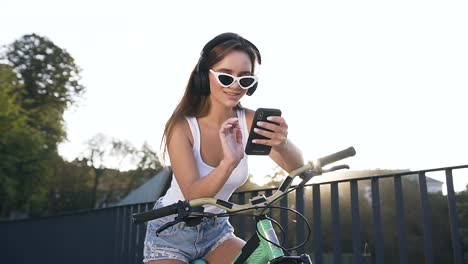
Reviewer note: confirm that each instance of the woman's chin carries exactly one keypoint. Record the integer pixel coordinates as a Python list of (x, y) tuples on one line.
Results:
[(232, 103)]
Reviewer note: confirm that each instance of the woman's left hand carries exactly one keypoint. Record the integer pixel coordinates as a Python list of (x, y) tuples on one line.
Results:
[(231, 141), (278, 134)]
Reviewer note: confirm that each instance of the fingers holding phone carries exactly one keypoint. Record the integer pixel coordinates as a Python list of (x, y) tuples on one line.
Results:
[(268, 130), (275, 131)]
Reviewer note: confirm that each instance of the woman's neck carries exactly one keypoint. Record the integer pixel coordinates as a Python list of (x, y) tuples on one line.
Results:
[(218, 114)]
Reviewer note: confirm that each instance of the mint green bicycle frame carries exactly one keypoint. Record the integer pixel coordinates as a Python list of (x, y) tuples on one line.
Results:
[(265, 251)]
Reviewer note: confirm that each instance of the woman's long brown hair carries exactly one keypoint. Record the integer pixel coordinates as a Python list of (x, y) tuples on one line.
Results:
[(198, 105)]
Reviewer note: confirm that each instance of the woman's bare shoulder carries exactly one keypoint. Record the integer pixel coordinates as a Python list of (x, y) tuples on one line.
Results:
[(181, 131)]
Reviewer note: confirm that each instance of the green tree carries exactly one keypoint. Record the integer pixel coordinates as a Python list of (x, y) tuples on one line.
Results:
[(12, 122), (20, 146), (32, 118), (51, 81)]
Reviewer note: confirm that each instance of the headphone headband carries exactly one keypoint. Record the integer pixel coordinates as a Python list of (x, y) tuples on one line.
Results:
[(218, 40), (225, 37)]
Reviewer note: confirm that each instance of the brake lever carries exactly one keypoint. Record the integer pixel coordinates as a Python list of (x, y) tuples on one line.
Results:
[(306, 176), (334, 168), (192, 216), (309, 174), (167, 225)]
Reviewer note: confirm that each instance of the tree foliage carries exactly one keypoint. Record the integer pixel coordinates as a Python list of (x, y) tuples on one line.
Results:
[(51, 82), (21, 147), (38, 82)]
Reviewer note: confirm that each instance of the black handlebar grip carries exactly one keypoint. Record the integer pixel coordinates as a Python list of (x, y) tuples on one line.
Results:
[(349, 152), (139, 218)]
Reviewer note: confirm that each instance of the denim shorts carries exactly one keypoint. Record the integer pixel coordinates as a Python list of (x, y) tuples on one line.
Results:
[(182, 242)]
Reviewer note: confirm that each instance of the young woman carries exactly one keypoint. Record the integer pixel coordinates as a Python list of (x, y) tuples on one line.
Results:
[(205, 138)]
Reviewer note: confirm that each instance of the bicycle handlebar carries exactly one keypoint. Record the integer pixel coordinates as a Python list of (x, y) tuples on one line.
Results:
[(312, 169), (349, 152), (155, 214)]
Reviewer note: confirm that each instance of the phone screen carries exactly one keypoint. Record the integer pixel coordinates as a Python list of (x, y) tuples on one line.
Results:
[(260, 115)]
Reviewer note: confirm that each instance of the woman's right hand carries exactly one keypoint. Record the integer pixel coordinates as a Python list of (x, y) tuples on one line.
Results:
[(231, 141)]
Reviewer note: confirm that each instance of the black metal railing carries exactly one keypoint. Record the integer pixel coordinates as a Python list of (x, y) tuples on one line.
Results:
[(312, 197), (353, 221)]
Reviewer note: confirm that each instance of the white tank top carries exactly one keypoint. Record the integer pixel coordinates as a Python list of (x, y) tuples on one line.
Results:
[(237, 178)]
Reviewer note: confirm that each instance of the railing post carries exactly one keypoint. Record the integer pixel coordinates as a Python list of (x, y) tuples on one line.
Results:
[(427, 225), (379, 248), (268, 193), (118, 235), (300, 230), (241, 219), (126, 232), (454, 227), (132, 235), (401, 221), (284, 220), (336, 227), (251, 223), (140, 237), (356, 222), (318, 249)]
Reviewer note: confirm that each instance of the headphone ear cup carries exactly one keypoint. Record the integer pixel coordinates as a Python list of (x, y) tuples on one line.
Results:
[(252, 89), (195, 84), (200, 84), (204, 83)]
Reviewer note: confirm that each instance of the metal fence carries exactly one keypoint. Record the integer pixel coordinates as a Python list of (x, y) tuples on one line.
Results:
[(108, 235)]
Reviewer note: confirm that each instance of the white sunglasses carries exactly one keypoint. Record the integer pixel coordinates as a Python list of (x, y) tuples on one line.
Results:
[(226, 80)]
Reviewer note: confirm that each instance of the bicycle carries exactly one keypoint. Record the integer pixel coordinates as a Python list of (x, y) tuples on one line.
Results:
[(263, 246)]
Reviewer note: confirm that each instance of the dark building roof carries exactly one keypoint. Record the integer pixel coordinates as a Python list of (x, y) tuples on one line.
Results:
[(151, 190)]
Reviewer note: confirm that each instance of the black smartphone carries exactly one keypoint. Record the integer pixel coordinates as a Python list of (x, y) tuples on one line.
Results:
[(260, 115)]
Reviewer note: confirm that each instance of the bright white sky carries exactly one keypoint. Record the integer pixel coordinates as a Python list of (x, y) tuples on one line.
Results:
[(387, 77)]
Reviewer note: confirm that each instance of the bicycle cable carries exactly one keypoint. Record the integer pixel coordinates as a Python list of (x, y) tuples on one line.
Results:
[(234, 213), (294, 211), (292, 248)]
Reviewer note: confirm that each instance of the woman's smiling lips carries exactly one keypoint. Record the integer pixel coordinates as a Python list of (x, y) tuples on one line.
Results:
[(233, 95)]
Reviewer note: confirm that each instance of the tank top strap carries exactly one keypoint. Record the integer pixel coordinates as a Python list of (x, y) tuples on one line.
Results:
[(193, 123), (243, 124)]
